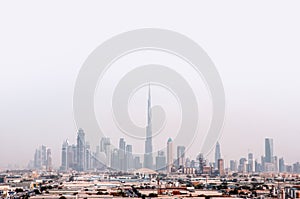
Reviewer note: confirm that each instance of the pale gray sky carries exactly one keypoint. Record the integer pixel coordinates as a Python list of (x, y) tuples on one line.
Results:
[(254, 45)]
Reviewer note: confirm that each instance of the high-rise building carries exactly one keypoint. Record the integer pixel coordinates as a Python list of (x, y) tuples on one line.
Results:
[(88, 157), (233, 165), (37, 159), (122, 155), (275, 162), (180, 156), (42, 158), (72, 156), (221, 167), (160, 161), (187, 162), (281, 165), (169, 155), (49, 160), (148, 159), (250, 166), (115, 159), (105, 147), (64, 156), (81, 150), (217, 154), (296, 167), (263, 161), (243, 165), (269, 150), (129, 157), (137, 162), (202, 163)]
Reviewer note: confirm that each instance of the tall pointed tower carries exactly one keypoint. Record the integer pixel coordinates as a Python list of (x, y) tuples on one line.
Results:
[(148, 159)]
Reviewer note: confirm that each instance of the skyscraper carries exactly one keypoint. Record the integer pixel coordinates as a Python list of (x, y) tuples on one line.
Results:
[(88, 156), (169, 155), (250, 166), (105, 147), (49, 160), (243, 165), (202, 163), (148, 159), (44, 155), (221, 167), (122, 157), (281, 165), (129, 157), (42, 158), (233, 165), (269, 150), (217, 154), (80, 150), (64, 156), (115, 159), (160, 161), (180, 156)]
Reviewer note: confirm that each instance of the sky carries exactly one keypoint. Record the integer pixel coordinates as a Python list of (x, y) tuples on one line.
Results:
[(254, 45)]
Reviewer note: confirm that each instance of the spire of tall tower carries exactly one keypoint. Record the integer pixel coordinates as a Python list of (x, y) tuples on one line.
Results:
[(149, 106), (148, 159)]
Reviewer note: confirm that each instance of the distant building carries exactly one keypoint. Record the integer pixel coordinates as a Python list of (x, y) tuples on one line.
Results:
[(233, 165), (72, 157), (296, 168), (189, 170), (269, 167), (122, 156), (115, 159), (42, 158), (64, 156), (269, 150), (221, 167), (251, 165), (88, 157), (275, 162), (129, 157), (105, 147), (180, 156), (202, 163), (137, 162), (187, 162), (217, 154), (160, 161), (148, 159), (49, 160), (169, 155), (281, 165), (289, 168), (81, 153), (243, 165)]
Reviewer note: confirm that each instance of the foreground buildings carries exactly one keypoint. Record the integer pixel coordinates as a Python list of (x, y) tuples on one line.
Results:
[(145, 183)]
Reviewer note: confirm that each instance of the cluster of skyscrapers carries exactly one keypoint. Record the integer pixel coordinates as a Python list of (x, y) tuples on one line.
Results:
[(268, 163), (80, 157), (42, 159)]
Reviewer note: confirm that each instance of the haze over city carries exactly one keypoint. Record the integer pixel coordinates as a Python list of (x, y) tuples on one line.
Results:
[(256, 55)]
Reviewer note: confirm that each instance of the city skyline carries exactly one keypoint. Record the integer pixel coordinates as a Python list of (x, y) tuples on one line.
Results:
[(79, 157), (256, 57), (122, 159)]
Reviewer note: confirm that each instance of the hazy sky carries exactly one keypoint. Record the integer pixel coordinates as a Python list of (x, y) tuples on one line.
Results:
[(254, 45)]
